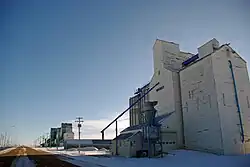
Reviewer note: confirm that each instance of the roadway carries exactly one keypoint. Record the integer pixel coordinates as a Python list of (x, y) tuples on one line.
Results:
[(28, 157)]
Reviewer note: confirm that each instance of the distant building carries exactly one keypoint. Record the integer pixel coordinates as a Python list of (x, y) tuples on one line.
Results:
[(58, 135), (65, 128), (53, 135), (68, 136)]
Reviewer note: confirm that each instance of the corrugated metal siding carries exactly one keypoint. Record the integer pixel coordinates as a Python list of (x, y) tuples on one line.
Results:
[(135, 111)]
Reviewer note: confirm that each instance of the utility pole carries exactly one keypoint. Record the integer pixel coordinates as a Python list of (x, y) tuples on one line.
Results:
[(57, 138), (47, 139), (116, 140), (5, 139), (79, 120), (40, 141), (50, 139)]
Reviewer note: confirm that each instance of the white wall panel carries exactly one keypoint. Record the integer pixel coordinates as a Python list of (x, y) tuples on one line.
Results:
[(165, 96), (208, 48), (200, 110), (178, 108), (168, 95), (243, 89), (169, 141), (185, 55), (230, 121), (157, 55)]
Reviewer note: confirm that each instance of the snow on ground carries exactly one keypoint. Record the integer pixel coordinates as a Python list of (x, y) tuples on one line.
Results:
[(49, 149), (6, 150), (82, 153), (79, 162), (73, 152), (178, 158)]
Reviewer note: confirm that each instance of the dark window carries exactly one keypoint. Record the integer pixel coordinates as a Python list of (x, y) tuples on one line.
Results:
[(189, 94), (198, 103), (160, 88), (248, 105), (192, 94), (173, 142), (209, 98), (223, 98)]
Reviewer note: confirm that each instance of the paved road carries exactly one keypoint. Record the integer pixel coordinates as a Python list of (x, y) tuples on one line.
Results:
[(28, 157)]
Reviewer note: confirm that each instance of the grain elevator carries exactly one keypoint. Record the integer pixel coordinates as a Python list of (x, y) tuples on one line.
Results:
[(202, 100)]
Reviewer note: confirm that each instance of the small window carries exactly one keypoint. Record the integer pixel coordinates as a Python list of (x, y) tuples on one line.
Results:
[(159, 72), (173, 142), (248, 105), (163, 142), (160, 88), (223, 98), (209, 99), (192, 94), (166, 142)]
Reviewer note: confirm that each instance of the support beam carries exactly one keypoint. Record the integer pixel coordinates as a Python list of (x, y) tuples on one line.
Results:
[(116, 141), (102, 135)]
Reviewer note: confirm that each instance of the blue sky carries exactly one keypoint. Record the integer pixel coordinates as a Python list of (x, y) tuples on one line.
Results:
[(62, 59)]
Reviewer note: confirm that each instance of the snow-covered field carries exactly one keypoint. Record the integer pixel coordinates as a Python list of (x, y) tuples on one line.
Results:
[(178, 158), (73, 152), (2, 151)]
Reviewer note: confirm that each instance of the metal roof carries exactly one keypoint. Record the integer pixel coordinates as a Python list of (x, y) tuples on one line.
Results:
[(101, 141), (161, 118), (124, 136), (135, 127), (158, 121), (87, 141)]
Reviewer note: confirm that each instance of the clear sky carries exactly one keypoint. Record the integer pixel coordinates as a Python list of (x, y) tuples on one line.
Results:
[(61, 59)]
